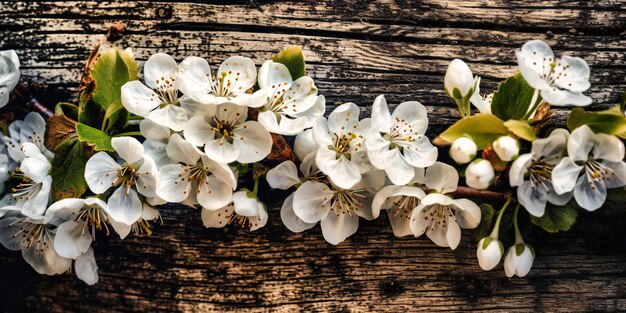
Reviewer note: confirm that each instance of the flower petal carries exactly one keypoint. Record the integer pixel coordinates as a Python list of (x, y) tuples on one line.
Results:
[(558, 97), (171, 116), (534, 63), (519, 168), (274, 75), (138, 99), (453, 235), (572, 73), (154, 131), (467, 214), (618, 178), (290, 219), (283, 176), (342, 172), (217, 218), (194, 78), (608, 148), (311, 202), (147, 178), (589, 195), (338, 227), (343, 119), (442, 177), (381, 118), (304, 144), (179, 150), (221, 150), (128, 148), (125, 206), (534, 199), (171, 187), (240, 72), (71, 241), (246, 203), (159, 68), (253, 141), (86, 268), (198, 131), (564, 175), (214, 193)]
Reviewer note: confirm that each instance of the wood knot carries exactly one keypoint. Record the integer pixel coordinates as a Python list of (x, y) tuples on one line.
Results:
[(115, 32), (165, 12)]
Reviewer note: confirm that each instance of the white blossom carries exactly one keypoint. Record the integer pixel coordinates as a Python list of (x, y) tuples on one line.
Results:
[(397, 142), (479, 174), (463, 150), (136, 175), (32, 130), (519, 260), (234, 77), (193, 178), (227, 136), (157, 138), (34, 239), (290, 106), (9, 74), (341, 150), (532, 173), (32, 194), (399, 202), (489, 253), (462, 86), (507, 148), (159, 100), (560, 81), (86, 268), (599, 157), (440, 216), (245, 210)]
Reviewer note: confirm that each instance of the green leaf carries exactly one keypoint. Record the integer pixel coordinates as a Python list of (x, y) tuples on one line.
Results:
[(110, 74), (293, 59), (68, 170), (521, 129), (557, 218), (92, 114), (68, 109), (616, 194), (483, 129), (100, 140), (512, 99), (486, 217), (611, 121)]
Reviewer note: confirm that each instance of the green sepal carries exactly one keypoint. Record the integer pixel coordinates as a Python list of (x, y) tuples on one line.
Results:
[(482, 128), (521, 129)]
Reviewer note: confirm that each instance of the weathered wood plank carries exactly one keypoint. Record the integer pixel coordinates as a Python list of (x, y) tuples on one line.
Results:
[(355, 50)]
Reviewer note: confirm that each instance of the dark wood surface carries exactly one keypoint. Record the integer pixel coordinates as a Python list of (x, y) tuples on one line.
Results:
[(355, 50)]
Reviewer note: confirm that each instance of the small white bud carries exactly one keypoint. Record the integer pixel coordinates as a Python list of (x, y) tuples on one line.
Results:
[(507, 148), (463, 150), (479, 174), (519, 260), (489, 253), (458, 76)]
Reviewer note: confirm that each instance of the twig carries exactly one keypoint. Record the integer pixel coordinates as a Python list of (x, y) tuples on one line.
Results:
[(23, 90), (462, 191)]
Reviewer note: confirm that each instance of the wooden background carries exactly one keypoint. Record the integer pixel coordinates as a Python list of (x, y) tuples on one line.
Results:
[(355, 51)]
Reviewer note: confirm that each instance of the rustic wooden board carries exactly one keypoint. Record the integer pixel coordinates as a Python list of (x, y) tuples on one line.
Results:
[(355, 51)]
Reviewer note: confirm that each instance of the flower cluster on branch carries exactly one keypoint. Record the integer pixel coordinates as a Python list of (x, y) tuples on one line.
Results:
[(203, 136)]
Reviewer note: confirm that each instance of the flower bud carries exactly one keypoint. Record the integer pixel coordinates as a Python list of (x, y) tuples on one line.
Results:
[(463, 150), (507, 148), (479, 174), (489, 253), (459, 77), (519, 260)]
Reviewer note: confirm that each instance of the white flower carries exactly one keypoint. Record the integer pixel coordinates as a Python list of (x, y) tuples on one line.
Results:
[(532, 173), (489, 253), (78, 221), (336, 208), (341, 154), (157, 137), (35, 239), (143, 225), (559, 81), (304, 144), (245, 210), (9, 74), (289, 106), (600, 158), (463, 150), (228, 137), (86, 268), (399, 201), (32, 194), (463, 87), (194, 178), (507, 148), (397, 142), (229, 84), (479, 174), (32, 129), (519, 260), (284, 176), (136, 175), (159, 101), (440, 216)]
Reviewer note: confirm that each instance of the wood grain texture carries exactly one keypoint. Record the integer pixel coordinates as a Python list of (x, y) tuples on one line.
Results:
[(355, 50)]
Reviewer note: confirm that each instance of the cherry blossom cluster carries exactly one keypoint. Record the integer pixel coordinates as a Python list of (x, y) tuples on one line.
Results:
[(204, 134)]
